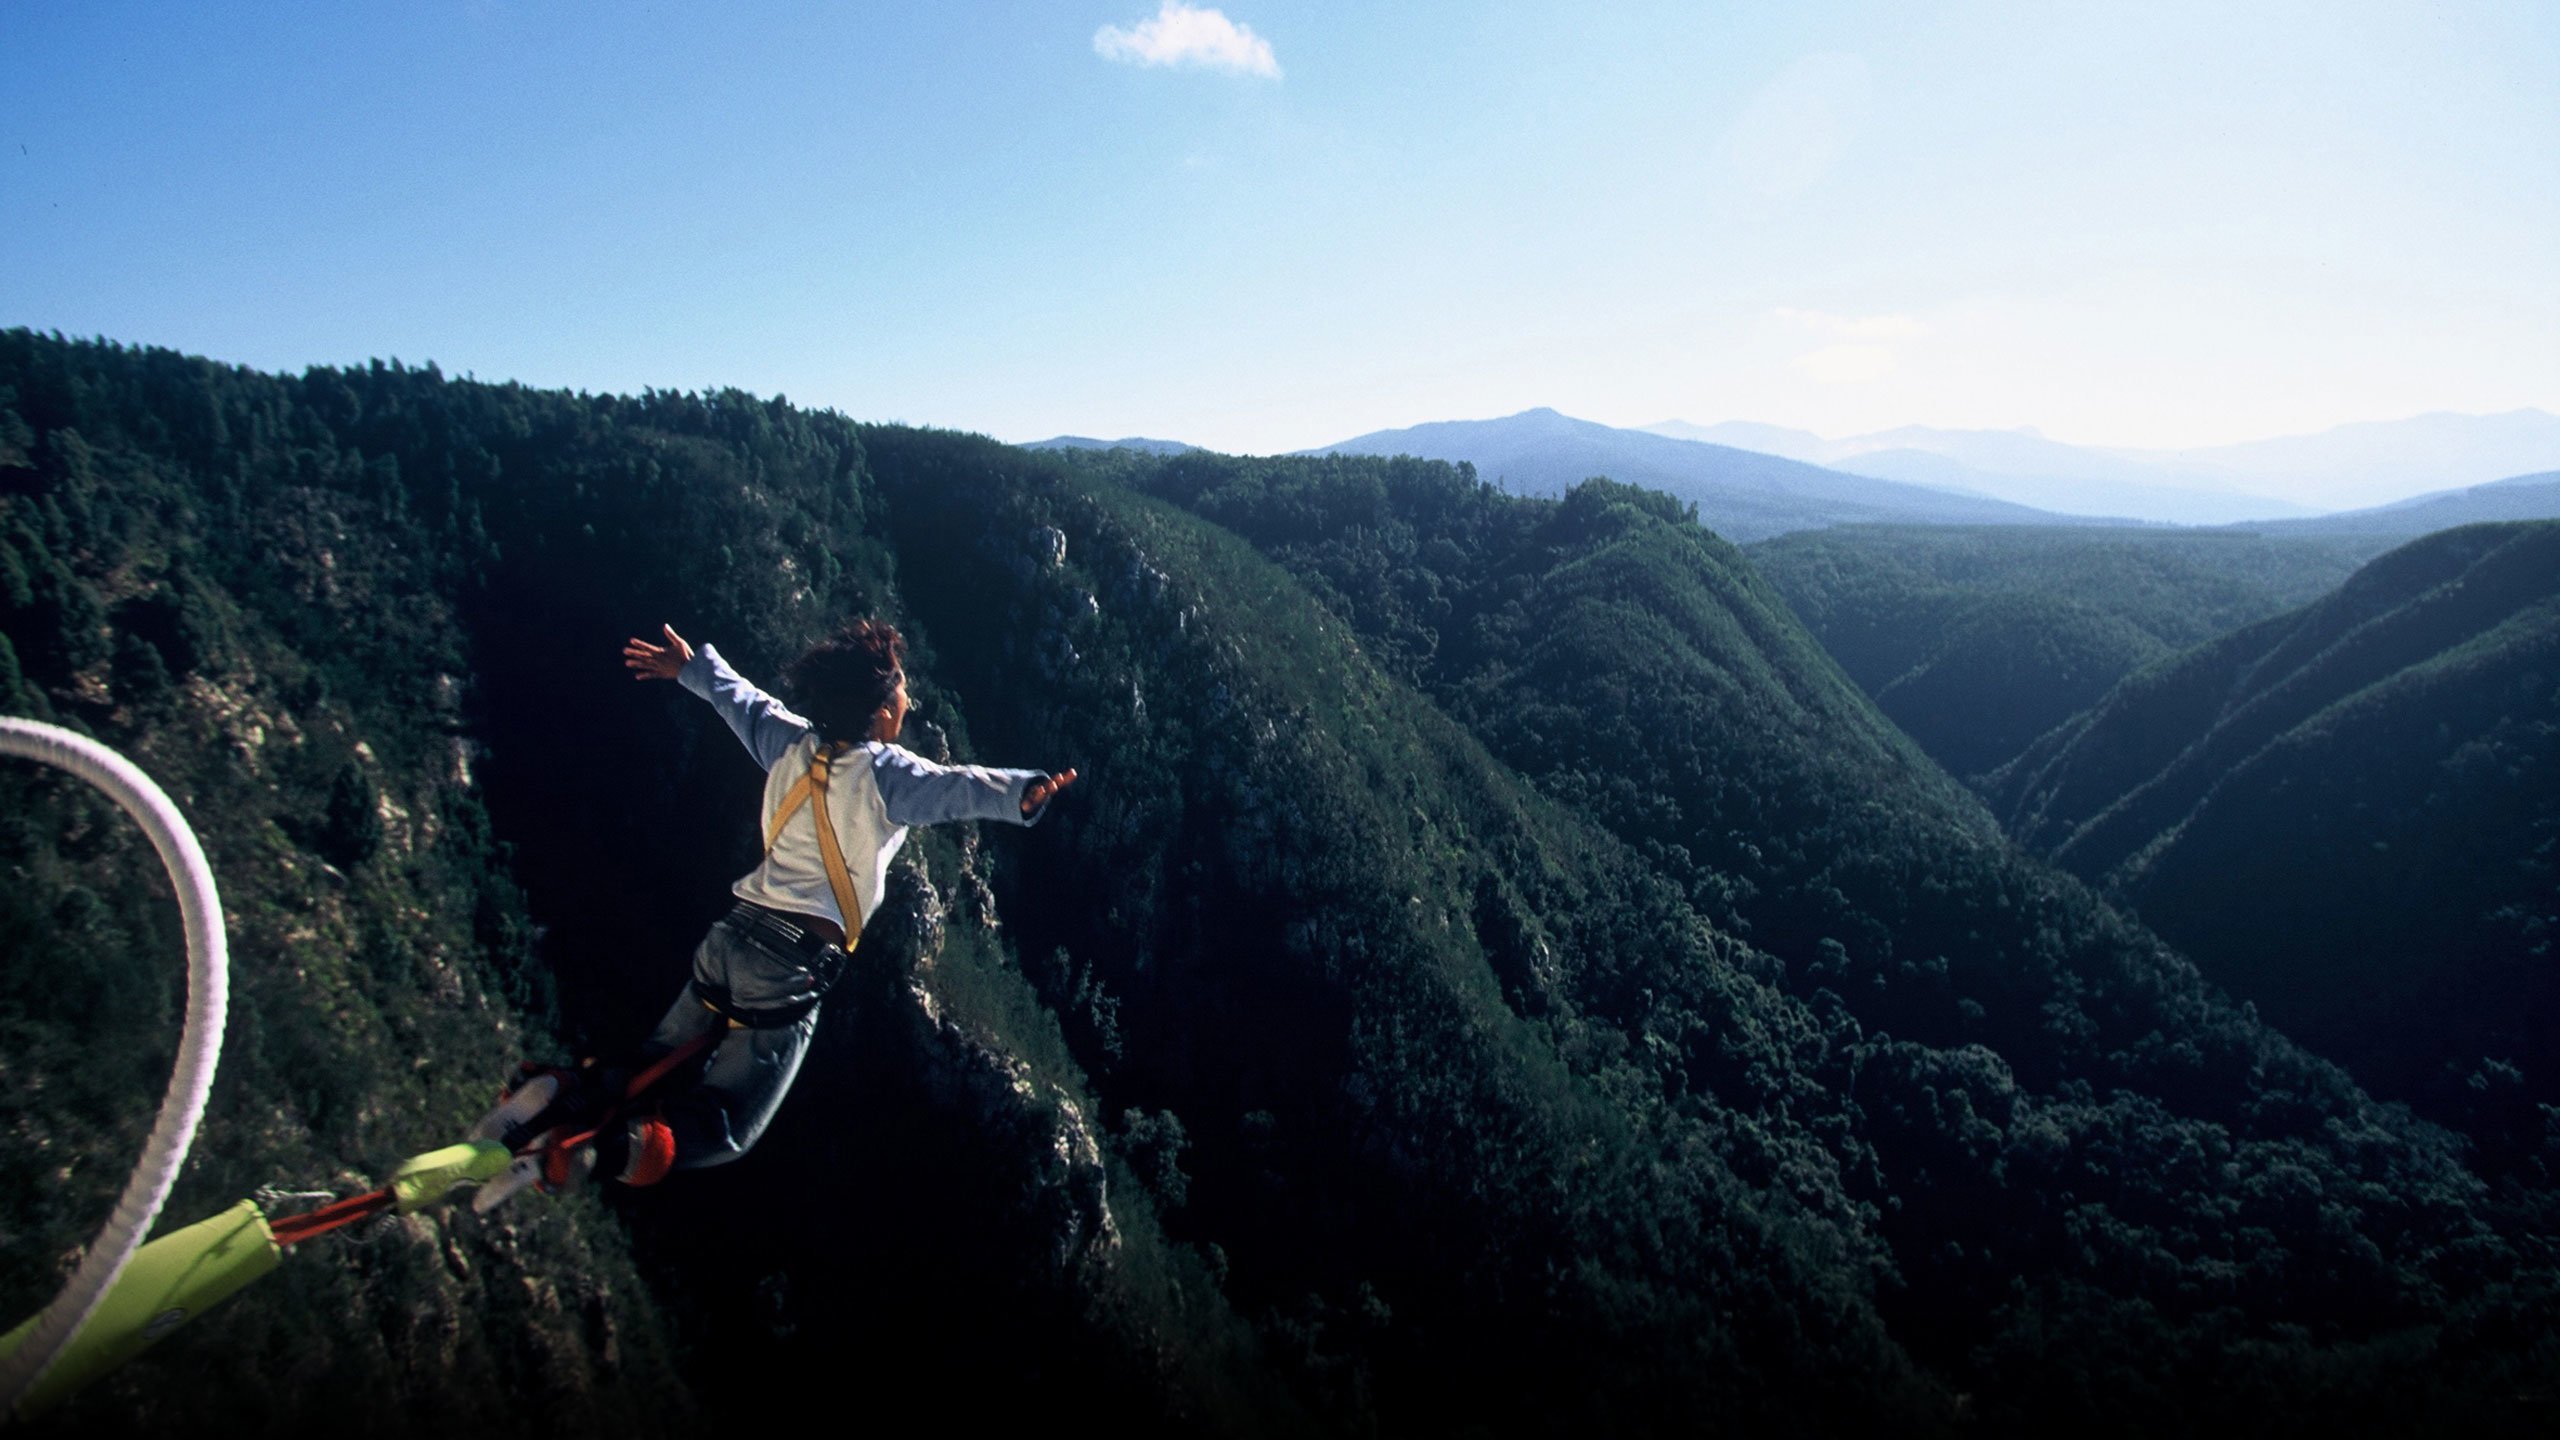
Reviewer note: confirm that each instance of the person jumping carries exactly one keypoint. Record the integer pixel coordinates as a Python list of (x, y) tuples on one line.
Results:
[(839, 797)]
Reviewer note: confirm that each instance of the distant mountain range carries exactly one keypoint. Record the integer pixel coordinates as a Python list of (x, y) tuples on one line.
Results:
[(1752, 481), (2015, 465), (1127, 442), (2369, 464), (1741, 494), (2526, 497)]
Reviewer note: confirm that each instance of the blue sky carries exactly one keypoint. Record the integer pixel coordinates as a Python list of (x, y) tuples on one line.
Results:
[(1271, 224)]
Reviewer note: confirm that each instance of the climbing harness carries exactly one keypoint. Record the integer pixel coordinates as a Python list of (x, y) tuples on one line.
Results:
[(556, 1154), (825, 958), (812, 792), (821, 958)]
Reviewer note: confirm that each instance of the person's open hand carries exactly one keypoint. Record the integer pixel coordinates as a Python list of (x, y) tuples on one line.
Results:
[(657, 662), (1041, 791)]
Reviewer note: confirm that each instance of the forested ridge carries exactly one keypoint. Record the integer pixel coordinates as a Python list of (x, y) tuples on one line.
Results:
[(2351, 814), (1498, 973), (1977, 641), (2343, 809), (1619, 657)]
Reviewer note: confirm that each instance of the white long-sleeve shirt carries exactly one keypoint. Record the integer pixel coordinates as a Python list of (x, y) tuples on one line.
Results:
[(871, 806)]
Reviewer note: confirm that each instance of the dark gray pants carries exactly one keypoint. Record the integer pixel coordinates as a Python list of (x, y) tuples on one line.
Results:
[(718, 1118)]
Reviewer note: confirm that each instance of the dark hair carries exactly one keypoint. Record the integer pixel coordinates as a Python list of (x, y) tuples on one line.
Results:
[(846, 677)]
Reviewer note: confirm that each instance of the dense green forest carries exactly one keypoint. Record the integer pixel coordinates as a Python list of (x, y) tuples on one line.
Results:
[(2350, 814), (1633, 665), (1498, 974), (256, 622), (363, 624), (1976, 641)]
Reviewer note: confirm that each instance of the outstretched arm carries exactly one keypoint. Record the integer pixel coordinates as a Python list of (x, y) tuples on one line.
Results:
[(760, 722), (915, 791)]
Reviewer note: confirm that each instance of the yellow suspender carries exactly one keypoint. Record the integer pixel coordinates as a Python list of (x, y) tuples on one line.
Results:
[(812, 792)]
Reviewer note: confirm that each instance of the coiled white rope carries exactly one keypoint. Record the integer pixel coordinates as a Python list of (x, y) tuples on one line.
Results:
[(199, 1046)]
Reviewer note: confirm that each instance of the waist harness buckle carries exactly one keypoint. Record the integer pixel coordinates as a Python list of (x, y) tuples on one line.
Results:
[(821, 960)]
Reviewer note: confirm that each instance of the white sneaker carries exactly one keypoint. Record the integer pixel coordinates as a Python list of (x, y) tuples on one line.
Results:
[(523, 1172), (518, 1109), (533, 1170)]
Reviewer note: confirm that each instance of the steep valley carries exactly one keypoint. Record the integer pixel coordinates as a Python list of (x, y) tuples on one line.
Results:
[(1498, 973)]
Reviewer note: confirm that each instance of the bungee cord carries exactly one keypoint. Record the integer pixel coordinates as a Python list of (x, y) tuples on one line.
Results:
[(125, 1294), (199, 1045)]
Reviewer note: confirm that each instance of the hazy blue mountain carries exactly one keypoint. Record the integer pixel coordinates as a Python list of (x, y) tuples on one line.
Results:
[(2019, 466), (1138, 443), (2378, 462), (2526, 497), (2094, 494), (1776, 440), (2352, 465), (1740, 494)]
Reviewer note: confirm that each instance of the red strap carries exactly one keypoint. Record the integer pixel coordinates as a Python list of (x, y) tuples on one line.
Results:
[(338, 1214), (294, 1229), (558, 1144), (555, 1159), (658, 1069)]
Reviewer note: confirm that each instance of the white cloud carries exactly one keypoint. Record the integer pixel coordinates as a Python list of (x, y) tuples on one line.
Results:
[(1846, 364), (1855, 327), (1861, 353), (1187, 35)]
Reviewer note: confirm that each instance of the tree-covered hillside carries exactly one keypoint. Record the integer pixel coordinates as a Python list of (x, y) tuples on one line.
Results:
[(2077, 1141), (363, 623), (196, 570), (2350, 814), (1977, 641), (1496, 975)]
